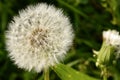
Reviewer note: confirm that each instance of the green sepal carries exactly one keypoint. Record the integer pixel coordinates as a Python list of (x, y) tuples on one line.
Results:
[(105, 54)]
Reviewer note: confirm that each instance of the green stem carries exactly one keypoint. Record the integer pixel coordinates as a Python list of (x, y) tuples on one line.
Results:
[(46, 74), (104, 77), (105, 73)]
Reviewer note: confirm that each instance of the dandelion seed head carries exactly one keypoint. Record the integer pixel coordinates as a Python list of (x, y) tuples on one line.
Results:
[(39, 37)]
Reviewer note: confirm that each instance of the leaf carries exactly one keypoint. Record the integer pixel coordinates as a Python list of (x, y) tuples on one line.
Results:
[(67, 73)]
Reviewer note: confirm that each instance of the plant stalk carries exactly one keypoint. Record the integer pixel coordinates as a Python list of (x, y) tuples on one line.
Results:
[(105, 73), (46, 74)]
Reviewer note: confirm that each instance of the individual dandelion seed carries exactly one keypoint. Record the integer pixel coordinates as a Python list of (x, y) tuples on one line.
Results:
[(39, 37)]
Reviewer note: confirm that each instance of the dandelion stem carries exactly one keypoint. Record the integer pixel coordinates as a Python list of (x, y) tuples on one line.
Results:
[(105, 73), (104, 77), (46, 74)]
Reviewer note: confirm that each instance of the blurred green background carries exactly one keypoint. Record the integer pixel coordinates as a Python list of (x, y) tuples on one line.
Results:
[(88, 17)]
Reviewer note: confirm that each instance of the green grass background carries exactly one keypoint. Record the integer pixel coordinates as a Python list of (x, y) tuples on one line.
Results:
[(88, 17)]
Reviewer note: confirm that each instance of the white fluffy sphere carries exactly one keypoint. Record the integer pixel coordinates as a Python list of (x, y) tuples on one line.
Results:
[(39, 37)]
